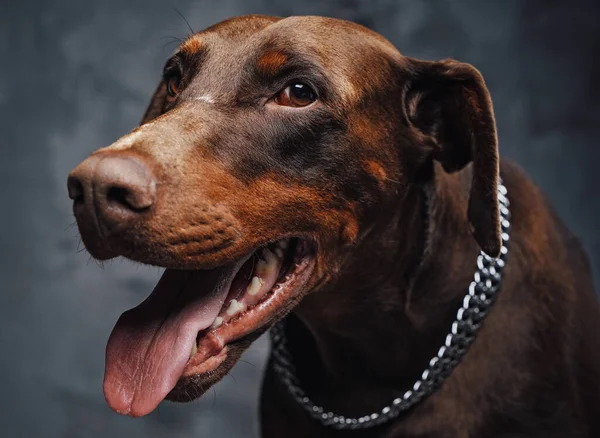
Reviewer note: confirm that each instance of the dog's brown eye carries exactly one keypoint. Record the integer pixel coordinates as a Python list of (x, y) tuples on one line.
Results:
[(296, 95), (173, 85)]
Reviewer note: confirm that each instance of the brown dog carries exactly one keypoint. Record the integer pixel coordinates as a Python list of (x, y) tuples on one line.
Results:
[(304, 164)]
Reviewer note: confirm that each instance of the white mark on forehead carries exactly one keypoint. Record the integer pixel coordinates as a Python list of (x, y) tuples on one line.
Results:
[(206, 98)]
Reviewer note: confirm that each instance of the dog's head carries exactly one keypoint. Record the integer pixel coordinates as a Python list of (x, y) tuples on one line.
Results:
[(268, 148)]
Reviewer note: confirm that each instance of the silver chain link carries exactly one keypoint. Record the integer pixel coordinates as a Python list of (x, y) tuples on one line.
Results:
[(476, 304)]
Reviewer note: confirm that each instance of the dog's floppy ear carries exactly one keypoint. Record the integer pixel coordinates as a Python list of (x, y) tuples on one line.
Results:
[(450, 106), (157, 103)]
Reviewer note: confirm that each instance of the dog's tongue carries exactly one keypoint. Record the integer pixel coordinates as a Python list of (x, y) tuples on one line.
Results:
[(150, 345)]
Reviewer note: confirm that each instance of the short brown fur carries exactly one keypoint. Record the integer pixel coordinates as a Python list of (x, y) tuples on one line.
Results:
[(392, 174), (192, 45)]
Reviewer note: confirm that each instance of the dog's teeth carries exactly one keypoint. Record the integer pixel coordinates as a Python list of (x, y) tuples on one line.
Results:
[(194, 350), (271, 260), (217, 322), (234, 307), (254, 286), (279, 252), (261, 267), (284, 243)]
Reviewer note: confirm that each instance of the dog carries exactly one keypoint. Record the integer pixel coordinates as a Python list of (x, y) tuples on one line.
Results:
[(301, 173)]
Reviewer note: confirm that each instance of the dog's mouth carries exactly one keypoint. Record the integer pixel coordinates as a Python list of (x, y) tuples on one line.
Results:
[(184, 327)]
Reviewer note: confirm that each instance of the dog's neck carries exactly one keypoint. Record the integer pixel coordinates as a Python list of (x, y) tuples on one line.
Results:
[(367, 339)]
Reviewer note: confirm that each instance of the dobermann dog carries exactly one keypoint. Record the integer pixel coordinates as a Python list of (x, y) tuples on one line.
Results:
[(302, 167)]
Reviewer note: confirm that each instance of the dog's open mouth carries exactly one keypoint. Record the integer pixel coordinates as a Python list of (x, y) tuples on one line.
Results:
[(183, 328)]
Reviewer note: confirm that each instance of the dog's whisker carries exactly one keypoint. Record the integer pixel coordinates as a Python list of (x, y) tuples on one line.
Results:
[(230, 375), (98, 263), (392, 180), (71, 225), (165, 45), (172, 38), (236, 231), (249, 363), (192, 31)]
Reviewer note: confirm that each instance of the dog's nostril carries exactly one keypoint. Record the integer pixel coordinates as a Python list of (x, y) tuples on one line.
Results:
[(122, 186), (75, 189), (117, 195), (123, 197), (113, 189)]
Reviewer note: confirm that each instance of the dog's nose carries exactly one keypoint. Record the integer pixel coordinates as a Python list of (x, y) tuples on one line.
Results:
[(114, 189)]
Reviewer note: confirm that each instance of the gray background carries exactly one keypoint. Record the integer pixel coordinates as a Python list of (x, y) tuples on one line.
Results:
[(75, 75)]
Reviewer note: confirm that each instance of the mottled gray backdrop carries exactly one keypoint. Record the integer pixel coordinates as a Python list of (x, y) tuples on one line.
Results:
[(75, 75)]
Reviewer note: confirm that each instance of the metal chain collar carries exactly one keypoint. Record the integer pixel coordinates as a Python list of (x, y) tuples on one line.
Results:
[(476, 304)]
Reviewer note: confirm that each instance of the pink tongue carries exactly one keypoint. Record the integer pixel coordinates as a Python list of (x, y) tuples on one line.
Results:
[(150, 345)]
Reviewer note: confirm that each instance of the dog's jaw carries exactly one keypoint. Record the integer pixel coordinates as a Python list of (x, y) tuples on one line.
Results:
[(193, 319)]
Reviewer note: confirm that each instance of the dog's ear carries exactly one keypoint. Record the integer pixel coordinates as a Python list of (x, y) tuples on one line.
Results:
[(157, 103), (450, 107)]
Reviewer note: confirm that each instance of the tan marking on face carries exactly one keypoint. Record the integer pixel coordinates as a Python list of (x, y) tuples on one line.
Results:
[(376, 170), (369, 130), (192, 45), (271, 62), (349, 91), (349, 232)]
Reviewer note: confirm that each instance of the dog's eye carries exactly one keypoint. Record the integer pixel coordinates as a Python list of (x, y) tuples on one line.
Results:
[(173, 83), (296, 95)]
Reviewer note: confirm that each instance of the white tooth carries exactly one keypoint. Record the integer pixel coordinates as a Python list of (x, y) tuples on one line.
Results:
[(194, 350), (234, 307), (284, 243), (261, 267), (217, 322), (279, 252), (271, 260), (254, 286)]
